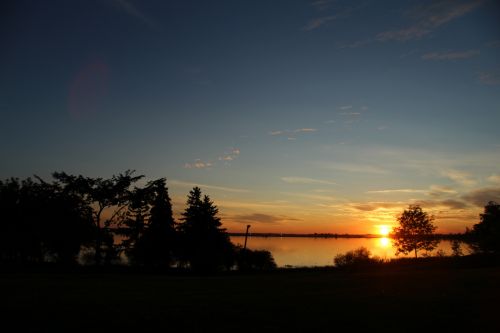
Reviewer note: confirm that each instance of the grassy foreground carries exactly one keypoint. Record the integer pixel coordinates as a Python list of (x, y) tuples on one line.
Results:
[(389, 299)]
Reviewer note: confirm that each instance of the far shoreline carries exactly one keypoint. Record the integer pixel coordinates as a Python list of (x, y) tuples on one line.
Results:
[(329, 235)]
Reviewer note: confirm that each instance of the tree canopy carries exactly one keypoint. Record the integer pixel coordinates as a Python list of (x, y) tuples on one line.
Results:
[(414, 232), (206, 245), (94, 220), (102, 195), (486, 233), (153, 226)]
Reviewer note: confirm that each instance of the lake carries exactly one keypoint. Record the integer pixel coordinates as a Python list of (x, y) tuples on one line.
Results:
[(305, 251)]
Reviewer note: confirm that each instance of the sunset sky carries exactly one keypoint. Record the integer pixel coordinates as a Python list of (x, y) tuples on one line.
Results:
[(294, 116)]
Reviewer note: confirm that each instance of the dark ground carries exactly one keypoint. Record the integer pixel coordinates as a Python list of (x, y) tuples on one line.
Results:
[(383, 299)]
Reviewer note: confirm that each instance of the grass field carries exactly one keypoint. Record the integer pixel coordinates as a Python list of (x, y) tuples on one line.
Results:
[(381, 300)]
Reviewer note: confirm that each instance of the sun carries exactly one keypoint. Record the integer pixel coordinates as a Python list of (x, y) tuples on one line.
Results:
[(384, 230)]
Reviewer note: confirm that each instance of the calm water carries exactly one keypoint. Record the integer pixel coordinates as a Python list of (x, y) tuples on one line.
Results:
[(301, 251)]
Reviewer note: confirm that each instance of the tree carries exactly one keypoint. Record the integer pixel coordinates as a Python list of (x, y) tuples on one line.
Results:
[(133, 225), (19, 237), (103, 195), (206, 245), (485, 235), (414, 232), (41, 221), (65, 222), (157, 241)]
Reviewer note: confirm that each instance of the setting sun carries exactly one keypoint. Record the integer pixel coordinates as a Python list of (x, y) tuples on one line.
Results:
[(384, 230)]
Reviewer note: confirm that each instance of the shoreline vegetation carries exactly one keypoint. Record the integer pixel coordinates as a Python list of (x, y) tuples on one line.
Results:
[(333, 235), (187, 276), (77, 220)]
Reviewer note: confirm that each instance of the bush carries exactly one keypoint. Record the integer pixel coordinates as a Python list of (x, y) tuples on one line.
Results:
[(255, 260), (358, 257)]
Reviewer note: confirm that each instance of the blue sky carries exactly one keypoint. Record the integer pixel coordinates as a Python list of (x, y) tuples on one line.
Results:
[(294, 116)]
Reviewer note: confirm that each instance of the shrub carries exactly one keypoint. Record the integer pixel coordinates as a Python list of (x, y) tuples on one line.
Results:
[(358, 257), (255, 260)]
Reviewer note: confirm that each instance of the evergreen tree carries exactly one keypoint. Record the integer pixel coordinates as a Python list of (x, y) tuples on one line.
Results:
[(157, 245), (206, 245)]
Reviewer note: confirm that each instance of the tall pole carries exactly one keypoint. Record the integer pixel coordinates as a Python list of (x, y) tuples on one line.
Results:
[(246, 236)]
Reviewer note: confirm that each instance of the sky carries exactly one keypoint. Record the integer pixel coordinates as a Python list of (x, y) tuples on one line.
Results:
[(292, 115)]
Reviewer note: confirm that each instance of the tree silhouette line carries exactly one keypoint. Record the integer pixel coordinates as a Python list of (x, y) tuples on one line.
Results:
[(415, 232), (75, 218)]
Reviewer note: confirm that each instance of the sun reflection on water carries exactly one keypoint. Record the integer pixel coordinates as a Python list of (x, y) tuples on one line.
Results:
[(384, 242)]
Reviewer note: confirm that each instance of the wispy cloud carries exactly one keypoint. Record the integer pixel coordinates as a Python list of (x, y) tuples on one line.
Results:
[(336, 9), (494, 178), (482, 196), (318, 22), (459, 177), (350, 114), (291, 133), (180, 183), (396, 206), (448, 203), (198, 164), (355, 168), (495, 43), (230, 156), (346, 107), (439, 190), (459, 55), (433, 191), (128, 7), (227, 157), (302, 130), (308, 196), (402, 190), (230, 204), (371, 206), (490, 77), (354, 45), (322, 4), (304, 180), (430, 17), (261, 218)]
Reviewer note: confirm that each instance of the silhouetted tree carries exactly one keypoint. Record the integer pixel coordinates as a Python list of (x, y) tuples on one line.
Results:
[(110, 195), (19, 238), (42, 222), (254, 259), (66, 222), (133, 225), (414, 232), (157, 242), (485, 235), (206, 246)]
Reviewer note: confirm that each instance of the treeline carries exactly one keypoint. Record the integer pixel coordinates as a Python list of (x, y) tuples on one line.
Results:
[(75, 219)]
